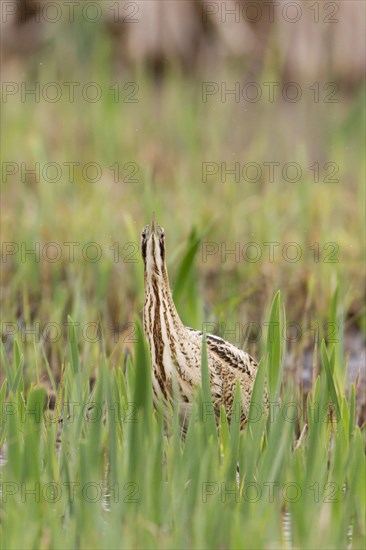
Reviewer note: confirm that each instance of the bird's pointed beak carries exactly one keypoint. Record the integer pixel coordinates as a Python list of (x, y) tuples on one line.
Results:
[(153, 225)]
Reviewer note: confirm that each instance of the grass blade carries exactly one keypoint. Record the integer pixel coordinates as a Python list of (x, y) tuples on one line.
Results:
[(274, 347), (328, 365)]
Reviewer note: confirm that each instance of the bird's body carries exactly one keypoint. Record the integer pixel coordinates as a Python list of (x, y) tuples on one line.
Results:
[(176, 349)]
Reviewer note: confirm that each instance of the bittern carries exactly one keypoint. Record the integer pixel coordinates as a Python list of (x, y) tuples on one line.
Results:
[(176, 349)]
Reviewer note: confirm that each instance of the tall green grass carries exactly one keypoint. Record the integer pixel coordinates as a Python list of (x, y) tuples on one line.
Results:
[(124, 477)]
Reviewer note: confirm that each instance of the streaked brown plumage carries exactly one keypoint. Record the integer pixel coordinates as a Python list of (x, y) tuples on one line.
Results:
[(176, 349)]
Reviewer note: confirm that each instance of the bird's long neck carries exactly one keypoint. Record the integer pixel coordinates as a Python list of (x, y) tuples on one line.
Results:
[(162, 325), (159, 308)]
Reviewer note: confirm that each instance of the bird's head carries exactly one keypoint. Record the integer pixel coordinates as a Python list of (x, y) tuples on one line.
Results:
[(153, 248)]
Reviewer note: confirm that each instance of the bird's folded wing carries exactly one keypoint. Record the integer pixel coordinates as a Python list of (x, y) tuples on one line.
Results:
[(230, 354)]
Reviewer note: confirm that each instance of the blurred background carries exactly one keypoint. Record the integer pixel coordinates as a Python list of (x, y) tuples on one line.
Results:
[(241, 124)]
